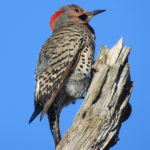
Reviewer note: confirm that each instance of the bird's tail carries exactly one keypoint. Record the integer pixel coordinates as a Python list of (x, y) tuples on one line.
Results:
[(35, 113)]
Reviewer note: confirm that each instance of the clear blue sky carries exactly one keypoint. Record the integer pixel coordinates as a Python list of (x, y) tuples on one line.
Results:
[(23, 30)]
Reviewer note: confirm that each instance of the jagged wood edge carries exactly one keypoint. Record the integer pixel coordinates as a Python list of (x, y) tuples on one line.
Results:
[(106, 105)]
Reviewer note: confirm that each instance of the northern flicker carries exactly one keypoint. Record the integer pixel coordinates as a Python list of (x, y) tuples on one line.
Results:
[(63, 70)]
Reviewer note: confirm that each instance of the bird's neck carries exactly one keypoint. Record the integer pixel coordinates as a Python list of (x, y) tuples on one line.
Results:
[(61, 24)]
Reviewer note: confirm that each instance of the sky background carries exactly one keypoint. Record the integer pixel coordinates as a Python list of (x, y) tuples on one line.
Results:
[(24, 26)]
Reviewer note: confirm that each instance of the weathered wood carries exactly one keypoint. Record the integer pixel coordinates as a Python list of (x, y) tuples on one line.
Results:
[(106, 104)]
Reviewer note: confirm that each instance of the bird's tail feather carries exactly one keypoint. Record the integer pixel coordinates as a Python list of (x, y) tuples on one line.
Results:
[(35, 113)]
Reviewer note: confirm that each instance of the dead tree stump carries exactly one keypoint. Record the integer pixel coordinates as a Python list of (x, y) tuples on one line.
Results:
[(106, 105)]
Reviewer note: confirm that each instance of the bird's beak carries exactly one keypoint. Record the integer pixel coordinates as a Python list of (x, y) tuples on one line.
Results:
[(86, 17), (95, 12)]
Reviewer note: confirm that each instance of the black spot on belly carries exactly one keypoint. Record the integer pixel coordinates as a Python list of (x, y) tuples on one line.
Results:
[(79, 69), (88, 65), (85, 74), (86, 50), (87, 69), (81, 66)]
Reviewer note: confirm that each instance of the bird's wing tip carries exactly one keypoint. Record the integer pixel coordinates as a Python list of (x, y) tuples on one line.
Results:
[(29, 122), (35, 114), (31, 119)]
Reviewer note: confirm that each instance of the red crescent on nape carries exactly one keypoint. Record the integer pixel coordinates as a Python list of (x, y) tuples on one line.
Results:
[(54, 17)]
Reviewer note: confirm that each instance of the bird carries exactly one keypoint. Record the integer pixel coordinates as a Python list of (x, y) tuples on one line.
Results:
[(64, 66)]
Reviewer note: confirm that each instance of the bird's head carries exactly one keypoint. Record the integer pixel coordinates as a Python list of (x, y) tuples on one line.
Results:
[(71, 14)]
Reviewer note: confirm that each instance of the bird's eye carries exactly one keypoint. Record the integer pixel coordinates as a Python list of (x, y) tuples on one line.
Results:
[(77, 10)]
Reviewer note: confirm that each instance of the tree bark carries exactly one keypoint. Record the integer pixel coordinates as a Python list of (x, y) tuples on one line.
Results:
[(106, 105)]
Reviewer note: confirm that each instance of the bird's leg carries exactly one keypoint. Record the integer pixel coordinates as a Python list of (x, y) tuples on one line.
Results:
[(93, 70), (53, 117)]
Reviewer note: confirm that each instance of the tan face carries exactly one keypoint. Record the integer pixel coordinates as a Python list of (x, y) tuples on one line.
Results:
[(78, 15), (76, 11)]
